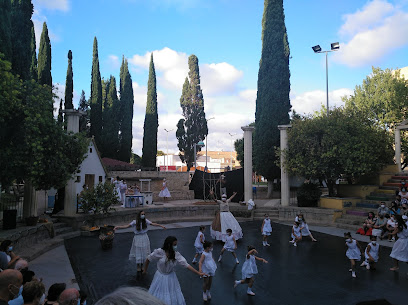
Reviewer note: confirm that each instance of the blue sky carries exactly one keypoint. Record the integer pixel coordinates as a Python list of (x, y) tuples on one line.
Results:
[(225, 35)]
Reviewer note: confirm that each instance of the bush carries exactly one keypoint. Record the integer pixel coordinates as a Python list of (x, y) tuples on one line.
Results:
[(308, 195)]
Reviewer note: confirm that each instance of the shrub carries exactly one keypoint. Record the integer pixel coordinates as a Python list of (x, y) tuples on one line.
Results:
[(308, 195)]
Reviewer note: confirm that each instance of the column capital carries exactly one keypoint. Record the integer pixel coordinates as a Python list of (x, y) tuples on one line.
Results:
[(74, 112), (248, 128), (284, 127)]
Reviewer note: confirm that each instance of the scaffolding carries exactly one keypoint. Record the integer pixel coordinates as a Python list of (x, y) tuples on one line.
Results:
[(211, 182)]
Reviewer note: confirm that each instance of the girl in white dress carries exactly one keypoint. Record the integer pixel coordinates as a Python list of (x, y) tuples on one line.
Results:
[(208, 266), (198, 244), (400, 249), (249, 269), (230, 245), (164, 193), (165, 285), (266, 230), (371, 253), (225, 220), (141, 243), (296, 234), (304, 228), (116, 183), (353, 252)]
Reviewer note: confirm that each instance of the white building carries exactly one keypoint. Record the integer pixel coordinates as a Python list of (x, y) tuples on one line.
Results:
[(173, 162)]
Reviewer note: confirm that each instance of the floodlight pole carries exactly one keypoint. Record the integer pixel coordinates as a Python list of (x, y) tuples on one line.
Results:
[(206, 146), (167, 148)]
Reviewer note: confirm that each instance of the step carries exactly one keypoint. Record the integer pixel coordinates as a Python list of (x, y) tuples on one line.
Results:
[(391, 184), (399, 177), (357, 213), (394, 188), (58, 225), (351, 228), (377, 201), (353, 216), (385, 195), (63, 230), (367, 205), (349, 221), (378, 198), (385, 191)]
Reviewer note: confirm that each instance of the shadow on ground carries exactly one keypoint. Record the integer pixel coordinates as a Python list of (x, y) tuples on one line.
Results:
[(312, 273)]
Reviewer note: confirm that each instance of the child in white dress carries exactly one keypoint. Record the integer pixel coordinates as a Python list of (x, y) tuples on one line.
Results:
[(208, 266), (230, 245), (198, 244), (353, 252), (304, 228), (296, 234), (371, 253), (266, 230), (141, 243), (165, 285), (164, 193), (249, 269)]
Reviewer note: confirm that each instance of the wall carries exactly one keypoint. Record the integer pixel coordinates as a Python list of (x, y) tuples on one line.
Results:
[(355, 190), (338, 203), (312, 215)]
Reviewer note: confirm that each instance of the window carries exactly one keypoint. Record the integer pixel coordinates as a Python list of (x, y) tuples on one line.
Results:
[(100, 178), (90, 150), (78, 179)]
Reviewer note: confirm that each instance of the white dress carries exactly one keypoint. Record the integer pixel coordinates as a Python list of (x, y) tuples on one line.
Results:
[(141, 244), (374, 249), (165, 191), (116, 183), (353, 252), (305, 228), (165, 285), (197, 244), (267, 228), (209, 266), (229, 243), (296, 230), (228, 221), (249, 269), (400, 248)]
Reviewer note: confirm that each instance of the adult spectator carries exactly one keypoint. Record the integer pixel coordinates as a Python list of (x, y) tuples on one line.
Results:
[(69, 297), (367, 225), (394, 208), (403, 186), (10, 283), (54, 292), (21, 264), (379, 227), (404, 194), (404, 209), (129, 296), (33, 293), (28, 275), (3, 261), (382, 210), (6, 246)]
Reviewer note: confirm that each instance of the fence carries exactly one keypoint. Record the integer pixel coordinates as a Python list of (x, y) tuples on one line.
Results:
[(293, 197), (11, 202)]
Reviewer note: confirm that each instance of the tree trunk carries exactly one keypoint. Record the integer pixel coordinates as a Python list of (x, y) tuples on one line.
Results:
[(270, 189), (330, 186)]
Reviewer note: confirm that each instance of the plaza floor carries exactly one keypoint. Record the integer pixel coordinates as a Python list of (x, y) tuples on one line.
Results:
[(312, 273)]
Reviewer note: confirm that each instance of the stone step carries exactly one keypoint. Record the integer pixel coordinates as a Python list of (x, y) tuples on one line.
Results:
[(357, 213), (350, 221), (379, 198), (394, 184), (367, 205), (400, 177), (63, 230), (394, 188), (381, 194), (377, 201), (58, 225), (348, 227), (352, 217), (385, 191)]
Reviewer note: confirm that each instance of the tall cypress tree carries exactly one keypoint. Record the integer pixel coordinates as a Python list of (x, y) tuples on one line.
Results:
[(193, 128), (60, 113), (33, 66), (96, 97), (84, 119), (21, 27), (5, 30), (69, 84), (151, 122), (44, 58), (126, 109), (272, 103)]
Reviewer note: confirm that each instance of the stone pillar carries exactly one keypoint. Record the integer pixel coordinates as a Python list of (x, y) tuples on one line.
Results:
[(398, 148), (248, 161), (285, 187), (70, 200)]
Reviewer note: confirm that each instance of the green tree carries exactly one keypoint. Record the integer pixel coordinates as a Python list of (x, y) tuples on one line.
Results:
[(239, 147), (5, 30), (69, 84), (60, 113), (44, 58), (151, 122), (33, 49), (21, 29), (96, 97), (193, 128), (84, 119), (272, 102), (136, 159), (344, 144), (126, 112)]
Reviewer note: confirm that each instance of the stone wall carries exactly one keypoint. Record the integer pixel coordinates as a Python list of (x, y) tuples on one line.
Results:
[(316, 216), (177, 183)]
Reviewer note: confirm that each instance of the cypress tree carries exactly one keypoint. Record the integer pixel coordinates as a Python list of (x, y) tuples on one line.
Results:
[(44, 58), (151, 122), (33, 66), (193, 128), (60, 116), (5, 30), (96, 97), (84, 119), (69, 84), (21, 27), (126, 109), (272, 103)]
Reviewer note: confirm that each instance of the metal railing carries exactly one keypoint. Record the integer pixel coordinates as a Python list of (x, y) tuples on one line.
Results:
[(11, 202)]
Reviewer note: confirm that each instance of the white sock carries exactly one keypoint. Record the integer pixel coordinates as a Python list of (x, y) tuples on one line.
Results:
[(238, 282), (249, 289)]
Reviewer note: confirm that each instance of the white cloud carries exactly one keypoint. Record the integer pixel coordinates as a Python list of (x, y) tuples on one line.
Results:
[(311, 101), (140, 97), (376, 30), (219, 78), (57, 5), (113, 62), (38, 20)]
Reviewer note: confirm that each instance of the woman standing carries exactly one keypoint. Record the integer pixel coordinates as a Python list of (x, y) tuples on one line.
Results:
[(400, 249), (141, 243), (164, 191), (165, 285)]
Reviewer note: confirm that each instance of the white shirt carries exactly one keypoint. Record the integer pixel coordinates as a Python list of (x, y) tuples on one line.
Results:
[(141, 231)]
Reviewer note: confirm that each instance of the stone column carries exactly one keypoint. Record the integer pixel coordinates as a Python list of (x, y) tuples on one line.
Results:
[(285, 187), (248, 161), (398, 148), (70, 200)]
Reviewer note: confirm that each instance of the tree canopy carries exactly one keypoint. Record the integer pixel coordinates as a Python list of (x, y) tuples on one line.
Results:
[(96, 97), (44, 58)]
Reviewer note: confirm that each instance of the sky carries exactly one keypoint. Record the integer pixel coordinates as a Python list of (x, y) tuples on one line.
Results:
[(225, 35)]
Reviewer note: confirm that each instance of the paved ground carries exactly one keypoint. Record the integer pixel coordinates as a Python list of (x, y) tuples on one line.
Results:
[(312, 273)]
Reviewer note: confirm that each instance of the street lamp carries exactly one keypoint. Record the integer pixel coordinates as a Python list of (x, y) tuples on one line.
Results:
[(199, 144), (206, 146), (167, 149), (335, 46), (232, 145)]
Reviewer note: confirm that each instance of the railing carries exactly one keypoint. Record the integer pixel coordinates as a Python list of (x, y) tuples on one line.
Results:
[(11, 202)]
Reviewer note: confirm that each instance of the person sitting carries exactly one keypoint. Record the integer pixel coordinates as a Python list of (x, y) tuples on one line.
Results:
[(367, 225), (391, 225), (404, 209), (379, 227), (394, 208), (69, 297), (21, 264), (54, 292), (382, 210), (403, 186), (33, 293), (10, 283), (404, 194)]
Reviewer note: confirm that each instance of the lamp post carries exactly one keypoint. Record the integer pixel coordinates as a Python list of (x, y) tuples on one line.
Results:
[(199, 144), (335, 46), (206, 146), (167, 149), (232, 145)]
